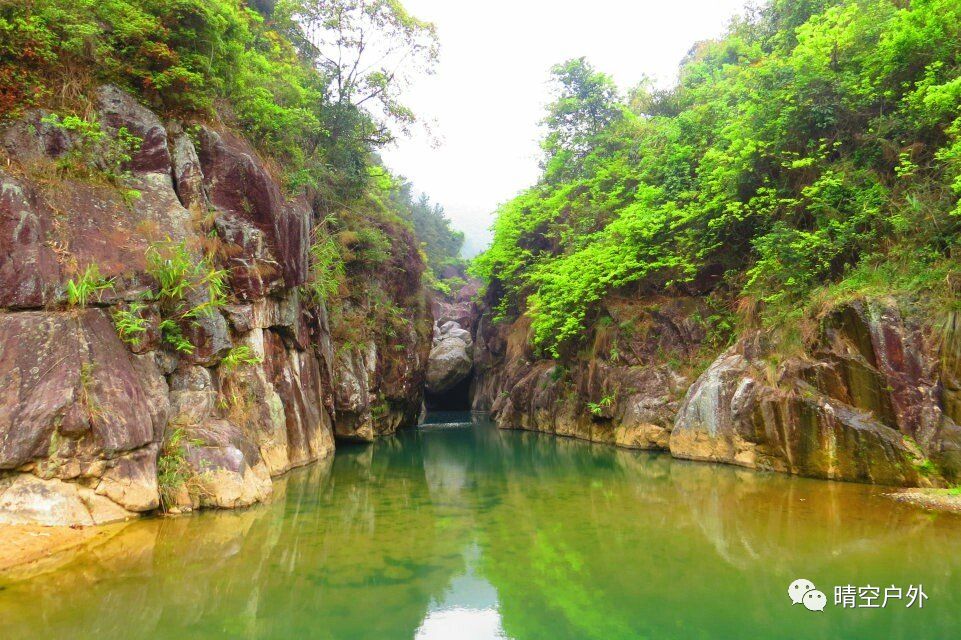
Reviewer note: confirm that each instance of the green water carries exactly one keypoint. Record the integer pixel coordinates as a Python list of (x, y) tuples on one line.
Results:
[(462, 531)]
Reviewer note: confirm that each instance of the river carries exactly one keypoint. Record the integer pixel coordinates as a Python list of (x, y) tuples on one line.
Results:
[(458, 530)]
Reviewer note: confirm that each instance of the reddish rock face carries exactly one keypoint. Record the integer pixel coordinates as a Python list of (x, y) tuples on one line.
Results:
[(296, 379), (187, 174), (29, 271), (53, 228), (76, 402), (271, 233), (732, 414), (71, 390), (78, 405), (84, 415), (119, 110)]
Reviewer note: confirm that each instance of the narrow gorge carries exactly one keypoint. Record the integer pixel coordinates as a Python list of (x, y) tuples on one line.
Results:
[(682, 357)]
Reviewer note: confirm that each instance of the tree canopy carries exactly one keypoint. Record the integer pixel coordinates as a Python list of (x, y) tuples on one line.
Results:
[(586, 101), (816, 147)]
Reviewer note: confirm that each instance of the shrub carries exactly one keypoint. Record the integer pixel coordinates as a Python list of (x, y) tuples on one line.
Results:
[(809, 142), (326, 269)]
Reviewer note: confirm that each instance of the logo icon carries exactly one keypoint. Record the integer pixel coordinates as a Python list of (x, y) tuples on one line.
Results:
[(803, 591)]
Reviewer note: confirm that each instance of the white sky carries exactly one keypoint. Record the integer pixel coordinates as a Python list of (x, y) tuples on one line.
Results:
[(491, 85)]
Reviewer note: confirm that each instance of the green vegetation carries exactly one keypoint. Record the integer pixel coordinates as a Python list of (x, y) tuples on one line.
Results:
[(94, 153), (440, 243), (301, 82), (86, 286), (179, 273), (298, 78), (131, 326), (173, 470), (190, 287), (172, 334), (812, 151), (597, 408), (326, 266), (238, 356)]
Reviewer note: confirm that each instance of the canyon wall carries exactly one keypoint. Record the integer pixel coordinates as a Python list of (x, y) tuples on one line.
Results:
[(195, 408), (871, 396)]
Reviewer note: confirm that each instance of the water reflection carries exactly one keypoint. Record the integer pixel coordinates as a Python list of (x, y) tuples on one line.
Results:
[(459, 532)]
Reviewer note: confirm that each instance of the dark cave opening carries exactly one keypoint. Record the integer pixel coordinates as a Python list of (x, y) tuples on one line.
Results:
[(457, 398)]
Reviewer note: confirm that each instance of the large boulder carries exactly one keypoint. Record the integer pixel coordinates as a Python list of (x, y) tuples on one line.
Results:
[(71, 394), (450, 359), (732, 415), (227, 467), (76, 405)]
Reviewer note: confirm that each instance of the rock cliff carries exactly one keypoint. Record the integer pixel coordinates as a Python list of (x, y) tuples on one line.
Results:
[(870, 397), (209, 390)]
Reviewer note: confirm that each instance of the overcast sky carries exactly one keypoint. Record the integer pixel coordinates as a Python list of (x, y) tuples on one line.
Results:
[(491, 85)]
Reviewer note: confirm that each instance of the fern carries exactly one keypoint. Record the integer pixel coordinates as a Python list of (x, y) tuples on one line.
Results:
[(238, 356), (172, 334)]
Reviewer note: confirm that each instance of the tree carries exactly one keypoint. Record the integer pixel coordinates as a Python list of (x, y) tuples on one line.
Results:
[(369, 50), (586, 102), (440, 241)]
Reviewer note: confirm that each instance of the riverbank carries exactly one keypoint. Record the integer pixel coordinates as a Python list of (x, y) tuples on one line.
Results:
[(941, 500)]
